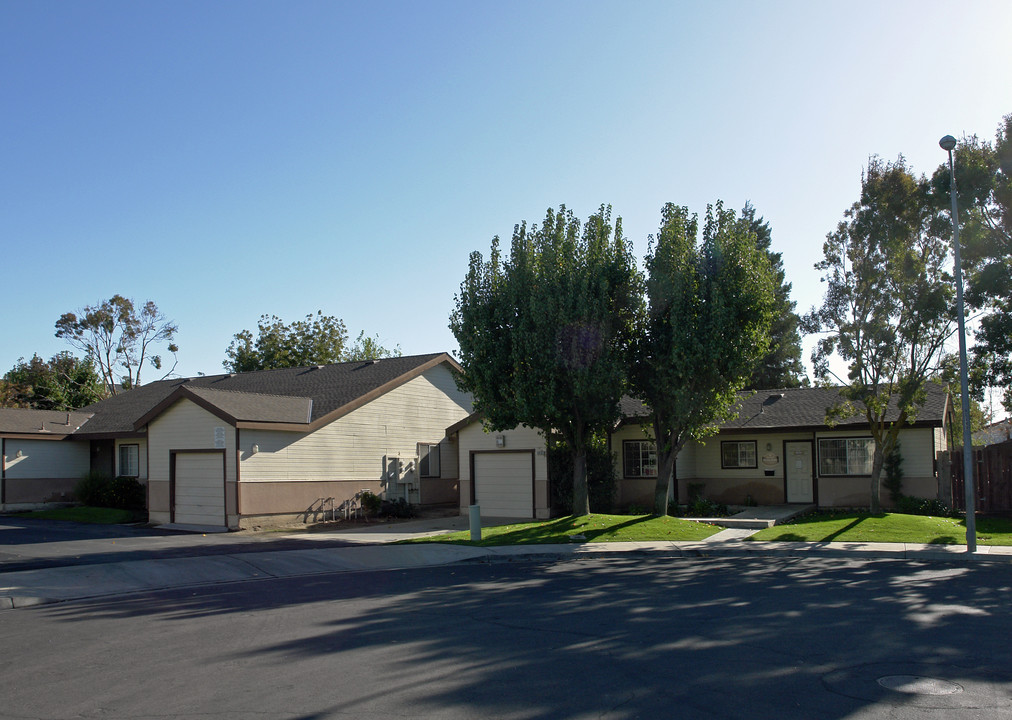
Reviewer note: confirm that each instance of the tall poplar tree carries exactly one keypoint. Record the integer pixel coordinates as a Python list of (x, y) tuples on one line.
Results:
[(710, 307), (544, 333)]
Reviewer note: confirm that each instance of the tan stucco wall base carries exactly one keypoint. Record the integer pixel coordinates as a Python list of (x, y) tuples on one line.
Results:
[(736, 491), (440, 491), (856, 492), (309, 500), (158, 499), (39, 490)]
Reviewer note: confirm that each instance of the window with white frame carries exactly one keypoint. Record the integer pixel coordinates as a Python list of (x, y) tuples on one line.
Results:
[(639, 458), (846, 456), (129, 460), (738, 454), (428, 459)]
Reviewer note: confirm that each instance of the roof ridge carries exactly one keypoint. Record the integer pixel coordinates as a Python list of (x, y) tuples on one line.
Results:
[(245, 392)]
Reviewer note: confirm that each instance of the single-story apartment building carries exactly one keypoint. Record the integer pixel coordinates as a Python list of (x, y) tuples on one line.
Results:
[(777, 449), (255, 448)]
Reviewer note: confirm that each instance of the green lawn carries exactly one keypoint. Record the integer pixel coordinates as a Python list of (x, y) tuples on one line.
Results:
[(887, 527), (87, 514), (594, 528)]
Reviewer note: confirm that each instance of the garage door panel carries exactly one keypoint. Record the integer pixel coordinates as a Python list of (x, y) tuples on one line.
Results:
[(199, 489), (503, 484)]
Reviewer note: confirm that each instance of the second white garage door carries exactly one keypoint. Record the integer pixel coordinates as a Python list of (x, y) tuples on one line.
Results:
[(199, 489), (504, 484)]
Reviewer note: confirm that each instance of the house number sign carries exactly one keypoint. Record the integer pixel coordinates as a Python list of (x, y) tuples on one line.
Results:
[(219, 438)]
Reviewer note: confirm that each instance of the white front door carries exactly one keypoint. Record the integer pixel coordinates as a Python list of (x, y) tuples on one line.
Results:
[(798, 469)]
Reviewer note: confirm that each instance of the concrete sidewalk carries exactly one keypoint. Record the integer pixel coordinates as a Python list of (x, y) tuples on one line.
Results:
[(33, 587)]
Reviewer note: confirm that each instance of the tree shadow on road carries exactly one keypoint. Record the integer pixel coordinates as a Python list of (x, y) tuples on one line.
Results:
[(619, 638)]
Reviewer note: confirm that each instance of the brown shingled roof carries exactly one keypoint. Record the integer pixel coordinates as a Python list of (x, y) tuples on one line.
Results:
[(798, 408), (22, 421), (305, 396)]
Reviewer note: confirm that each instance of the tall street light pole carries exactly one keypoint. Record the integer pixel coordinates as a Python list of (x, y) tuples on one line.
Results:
[(948, 143)]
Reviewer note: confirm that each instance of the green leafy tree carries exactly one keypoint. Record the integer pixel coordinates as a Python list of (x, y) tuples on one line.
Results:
[(781, 366), (64, 383), (318, 340), (710, 309), (120, 338), (888, 306), (984, 190), (544, 335), (369, 348)]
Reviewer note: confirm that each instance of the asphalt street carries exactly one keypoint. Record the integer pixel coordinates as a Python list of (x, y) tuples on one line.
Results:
[(617, 638), (29, 544)]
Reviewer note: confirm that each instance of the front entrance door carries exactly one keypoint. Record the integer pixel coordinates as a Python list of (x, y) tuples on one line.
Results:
[(798, 471)]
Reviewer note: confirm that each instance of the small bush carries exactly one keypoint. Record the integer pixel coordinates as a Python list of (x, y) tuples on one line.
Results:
[(893, 468), (127, 493), (121, 493), (398, 508), (921, 506), (700, 507), (371, 504), (93, 489)]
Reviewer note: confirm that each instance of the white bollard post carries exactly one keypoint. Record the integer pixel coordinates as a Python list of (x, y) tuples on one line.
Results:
[(475, 518)]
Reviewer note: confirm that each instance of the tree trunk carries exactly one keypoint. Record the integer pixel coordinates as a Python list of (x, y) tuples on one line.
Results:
[(581, 498), (666, 465), (878, 460)]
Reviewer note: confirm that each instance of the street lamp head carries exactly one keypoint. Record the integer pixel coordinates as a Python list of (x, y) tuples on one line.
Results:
[(947, 143)]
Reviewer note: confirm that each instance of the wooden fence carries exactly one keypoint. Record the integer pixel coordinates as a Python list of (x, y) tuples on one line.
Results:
[(992, 473)]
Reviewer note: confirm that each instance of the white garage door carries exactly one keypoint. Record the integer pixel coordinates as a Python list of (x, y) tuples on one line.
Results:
[(200, 489), (504, 484)]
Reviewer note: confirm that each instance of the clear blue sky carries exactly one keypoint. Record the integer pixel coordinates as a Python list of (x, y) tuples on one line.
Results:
[(230, 159)]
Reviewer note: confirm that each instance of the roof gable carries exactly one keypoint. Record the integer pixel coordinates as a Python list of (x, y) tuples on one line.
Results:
[(302, 398)]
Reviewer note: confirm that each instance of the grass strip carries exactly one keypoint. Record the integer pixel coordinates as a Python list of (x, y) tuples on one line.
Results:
[(887, 527), (589, 528)]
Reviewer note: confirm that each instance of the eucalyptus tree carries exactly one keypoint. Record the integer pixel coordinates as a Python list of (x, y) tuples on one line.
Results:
[(710, 308), (984, 188), (888, 307), (120, 338), (544, 333)]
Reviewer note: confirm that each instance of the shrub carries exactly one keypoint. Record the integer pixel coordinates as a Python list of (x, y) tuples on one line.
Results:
[(921, 506), (398, 508), (700, 507), (893, 467), (371, 503), (92, 489), (127, 493), (121, 493), (600, 476)]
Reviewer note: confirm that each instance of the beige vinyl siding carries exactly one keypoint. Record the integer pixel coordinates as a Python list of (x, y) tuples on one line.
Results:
[(45, 459), (941, 442), (352, 447), (184, 426)]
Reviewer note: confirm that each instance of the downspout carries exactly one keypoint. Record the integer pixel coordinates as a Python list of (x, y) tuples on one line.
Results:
[(3, 471), (238, 485)]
